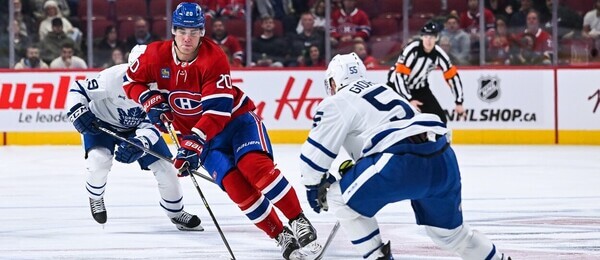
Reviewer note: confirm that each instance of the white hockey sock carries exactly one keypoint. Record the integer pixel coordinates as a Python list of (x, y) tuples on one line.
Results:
[(362, 231), (98, 162), (468, 243), (169, 187)]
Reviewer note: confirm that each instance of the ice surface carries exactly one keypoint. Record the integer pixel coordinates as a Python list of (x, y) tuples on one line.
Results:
[(534, 202)]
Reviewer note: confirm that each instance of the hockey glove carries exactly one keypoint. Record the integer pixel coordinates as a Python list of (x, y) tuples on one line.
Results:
[(155, 104), (188, 155), (317, 194), (128, 153), (83, 119)]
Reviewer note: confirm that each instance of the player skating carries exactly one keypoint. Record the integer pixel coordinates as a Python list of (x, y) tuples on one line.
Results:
[(400, 154), (217, 127), (101, 101)]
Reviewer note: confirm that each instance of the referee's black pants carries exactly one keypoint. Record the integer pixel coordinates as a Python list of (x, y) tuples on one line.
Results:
[(430, 103)]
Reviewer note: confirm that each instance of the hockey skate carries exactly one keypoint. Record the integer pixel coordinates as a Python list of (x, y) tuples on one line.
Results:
[(289, 245), (386, 251), (187, 222), (98, 210), (306, 235)]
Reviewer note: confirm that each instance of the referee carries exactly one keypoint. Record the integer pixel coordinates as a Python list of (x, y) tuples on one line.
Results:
[(409, 76)]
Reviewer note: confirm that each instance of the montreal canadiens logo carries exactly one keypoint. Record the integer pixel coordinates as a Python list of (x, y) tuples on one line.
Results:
[(185, 103)]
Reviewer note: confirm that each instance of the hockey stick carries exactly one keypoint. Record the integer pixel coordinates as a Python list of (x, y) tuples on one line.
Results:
[(169, 127), (148, 151), (332, 234)]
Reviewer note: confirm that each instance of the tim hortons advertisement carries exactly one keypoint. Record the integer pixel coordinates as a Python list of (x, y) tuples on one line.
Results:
[(578, 99), (500, 99), (35, 101)]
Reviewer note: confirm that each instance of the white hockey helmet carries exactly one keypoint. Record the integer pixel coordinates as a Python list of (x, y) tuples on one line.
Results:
[(135, 53), (344, 69)]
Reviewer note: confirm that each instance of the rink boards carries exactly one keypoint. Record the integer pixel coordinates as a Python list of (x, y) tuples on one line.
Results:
[(504, 106)]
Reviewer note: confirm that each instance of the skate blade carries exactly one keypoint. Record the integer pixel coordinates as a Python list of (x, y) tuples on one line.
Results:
[(184, 228)]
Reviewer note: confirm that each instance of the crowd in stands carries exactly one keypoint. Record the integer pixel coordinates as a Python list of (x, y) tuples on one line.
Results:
[(291, 33)]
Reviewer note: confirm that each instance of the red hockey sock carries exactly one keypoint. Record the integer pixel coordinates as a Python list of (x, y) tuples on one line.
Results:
[(252, 203), (260, 171)]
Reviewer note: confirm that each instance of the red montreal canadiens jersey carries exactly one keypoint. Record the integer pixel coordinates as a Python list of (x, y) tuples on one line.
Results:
[(200, 92)]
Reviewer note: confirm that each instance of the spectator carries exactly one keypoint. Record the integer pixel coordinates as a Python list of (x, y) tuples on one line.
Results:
[(141, 35), (460, 41), (518, 19), (53, 42), (116, 57), (277, 9), (349, 24), (210, 9), (569, 22), (308, 36), (27, 24), (67, 60), (542, 43), (52, 12), (313, 57), (21, 40), (523, 53), (231, 8), (498, 43), (502, 8), (104, 46), (37, 8), (360, 48), (469, 20), (32, 59), (268, 50), (318, 12), (230, 43), (591, 23), (281, 10)]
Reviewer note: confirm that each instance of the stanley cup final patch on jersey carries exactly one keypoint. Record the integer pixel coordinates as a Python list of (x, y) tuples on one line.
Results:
[(185, 103), (165, 73), (489, 88)]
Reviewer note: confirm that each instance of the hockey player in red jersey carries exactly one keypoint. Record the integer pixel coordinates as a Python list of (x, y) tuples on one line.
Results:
[(216, 126)]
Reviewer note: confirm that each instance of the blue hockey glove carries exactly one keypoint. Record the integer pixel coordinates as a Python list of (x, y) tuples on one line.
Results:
[(128, 153), (155, 104), (317, 194), (83, 119), (188, 155)]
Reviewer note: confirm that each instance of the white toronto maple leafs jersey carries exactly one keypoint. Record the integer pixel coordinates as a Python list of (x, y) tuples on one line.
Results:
[(365, 119), (104, 96)]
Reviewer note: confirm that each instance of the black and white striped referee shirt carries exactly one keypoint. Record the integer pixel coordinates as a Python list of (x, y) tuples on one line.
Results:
[(413, 66)]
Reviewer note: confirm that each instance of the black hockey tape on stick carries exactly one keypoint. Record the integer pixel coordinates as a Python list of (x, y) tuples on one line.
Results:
[(169, 127), (148, 151)]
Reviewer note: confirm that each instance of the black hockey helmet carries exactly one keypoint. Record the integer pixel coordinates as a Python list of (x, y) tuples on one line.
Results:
[(430, 28)]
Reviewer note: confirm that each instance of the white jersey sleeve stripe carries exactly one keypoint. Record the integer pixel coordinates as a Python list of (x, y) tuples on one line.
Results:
[(321, 148), (312, 164)]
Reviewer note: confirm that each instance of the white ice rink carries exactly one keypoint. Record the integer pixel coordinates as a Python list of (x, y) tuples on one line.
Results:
[(535, 202)]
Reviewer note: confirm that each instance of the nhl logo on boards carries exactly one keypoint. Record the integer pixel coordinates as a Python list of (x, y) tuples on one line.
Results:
[(488, 89)]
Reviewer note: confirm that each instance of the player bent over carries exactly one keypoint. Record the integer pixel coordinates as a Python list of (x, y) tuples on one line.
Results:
[(217, 127), (400, 154), (101, 101)]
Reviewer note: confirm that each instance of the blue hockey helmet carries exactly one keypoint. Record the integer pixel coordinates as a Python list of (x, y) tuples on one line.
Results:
[(188, 15)]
